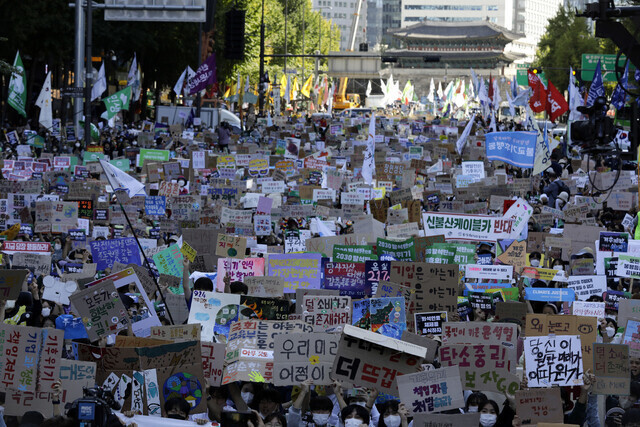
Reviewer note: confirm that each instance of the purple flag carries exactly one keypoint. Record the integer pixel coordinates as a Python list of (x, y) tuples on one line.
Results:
[(206, 75)]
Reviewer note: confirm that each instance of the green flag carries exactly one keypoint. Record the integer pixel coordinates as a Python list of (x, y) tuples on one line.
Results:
[(117, 102), (18, 87)]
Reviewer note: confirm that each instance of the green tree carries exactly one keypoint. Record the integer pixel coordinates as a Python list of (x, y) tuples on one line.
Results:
[(566, 38)]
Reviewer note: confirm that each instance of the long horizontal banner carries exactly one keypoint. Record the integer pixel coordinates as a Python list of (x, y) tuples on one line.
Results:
[(468, 227)]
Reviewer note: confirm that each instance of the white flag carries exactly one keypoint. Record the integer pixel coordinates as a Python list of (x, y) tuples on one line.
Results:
[(131, 77), (120, 180), (432, 91), (178, 86), (439, 92), (368, 89), (368, 163), (44, 102), (465, 134), (100, 84)]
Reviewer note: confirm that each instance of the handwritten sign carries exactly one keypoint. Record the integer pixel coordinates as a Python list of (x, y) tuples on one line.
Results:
[(539, 405), (326, 311), (431, 391), (101, 310), (611, 368), (297, 270), (298, 357), (553, 360)]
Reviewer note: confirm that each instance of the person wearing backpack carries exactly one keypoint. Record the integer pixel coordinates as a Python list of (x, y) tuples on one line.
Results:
[(555, 187)]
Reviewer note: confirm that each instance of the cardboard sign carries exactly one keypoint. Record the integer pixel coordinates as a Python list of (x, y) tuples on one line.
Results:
[(431, 391), (435, 285), (231, 246), (386, 316), (541, 405), (346, 277), (298, 357), (586, 327), (74, 375), (214, 311), (553, 360), (176, 333), (101, 310), (512, 252), (11, 283), (261, 286), (239, 270), (325, 312), (106, 252), (373, 360), (296, 270), (479, 333), (31, 357), (611, 368), (40, 264), (490, 367), (213, 362)]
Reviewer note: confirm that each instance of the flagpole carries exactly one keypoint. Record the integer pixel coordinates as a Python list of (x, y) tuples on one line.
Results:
[(88, 75), (146, 260)]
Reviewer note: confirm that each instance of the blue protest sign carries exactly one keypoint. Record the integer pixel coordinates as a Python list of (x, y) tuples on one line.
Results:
[(106, 252), (549, 294), (515, 148), (73, 327), (155, 205)]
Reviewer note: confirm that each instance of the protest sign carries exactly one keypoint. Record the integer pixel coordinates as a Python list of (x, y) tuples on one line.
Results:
[(448, 420), (435, 285), (101, 309), (73, 374), (592, 309), (298, 357), (40, 264), (399, 250), (488, 272), (325, 312), (539, 405), (231, 246), (373, 360), (169, 261), (585, 286), (515, 148), (213, 362), (296, 270), (553, 360), (611, 368), (627, 309), (176, 333), (11, 283), (632, 337), (468, 227), (479, 333), (490, 367), (386, 316), (431, 391), (346, 277), (106, 252), (549, 294), (430, 323), (613, 241), (262, 286), (214, 311), (238, 270), (512, 252)]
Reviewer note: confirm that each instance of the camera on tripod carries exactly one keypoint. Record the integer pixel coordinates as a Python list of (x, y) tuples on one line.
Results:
[(93, 409), (594, 134)]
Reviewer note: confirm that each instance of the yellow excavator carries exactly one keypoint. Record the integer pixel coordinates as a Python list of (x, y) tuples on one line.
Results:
[(342, 100)]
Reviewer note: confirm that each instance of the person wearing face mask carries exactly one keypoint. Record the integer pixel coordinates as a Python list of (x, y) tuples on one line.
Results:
[(608, 331), (394, 414), (354, 416), (474, 402), (535, 258), (247, 393), (268, 402), (320, 409), (631, 401), (489, 414), (366, 398)]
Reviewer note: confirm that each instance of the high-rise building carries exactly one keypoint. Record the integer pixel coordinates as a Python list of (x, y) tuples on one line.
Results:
[(340, 13)]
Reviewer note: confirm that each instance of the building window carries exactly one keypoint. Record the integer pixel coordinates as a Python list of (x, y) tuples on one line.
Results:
[(441, 7), (492, 8)]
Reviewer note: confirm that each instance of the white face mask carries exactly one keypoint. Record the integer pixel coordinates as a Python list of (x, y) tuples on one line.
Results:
[(247, 396), (610, 331), (393, 420), (57, 246), (535, 263), (558, 267), (488, 420), (472, 409), (46, 312), (352, 422), (321, 419), (10, 304)]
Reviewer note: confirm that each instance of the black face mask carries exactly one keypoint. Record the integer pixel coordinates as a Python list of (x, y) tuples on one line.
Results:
[(176, 417)]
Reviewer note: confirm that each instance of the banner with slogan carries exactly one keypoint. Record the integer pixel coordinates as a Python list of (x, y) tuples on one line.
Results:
[(515, 148), (468, 227)]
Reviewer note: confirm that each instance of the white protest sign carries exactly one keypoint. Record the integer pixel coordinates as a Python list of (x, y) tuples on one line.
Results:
[(553, 360), (491, 272), (585, 286)]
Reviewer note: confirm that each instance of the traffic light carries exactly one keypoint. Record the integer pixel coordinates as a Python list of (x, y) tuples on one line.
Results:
[(534, 71)]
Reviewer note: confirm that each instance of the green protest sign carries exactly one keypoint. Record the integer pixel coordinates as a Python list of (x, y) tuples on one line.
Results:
[(353, 253), (404, 250)]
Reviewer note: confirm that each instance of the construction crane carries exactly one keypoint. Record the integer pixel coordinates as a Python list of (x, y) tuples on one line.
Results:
[(341, 100)]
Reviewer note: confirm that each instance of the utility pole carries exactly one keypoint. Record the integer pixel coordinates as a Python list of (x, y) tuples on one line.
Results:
[(89, 75), (262, 82), (79, 66)]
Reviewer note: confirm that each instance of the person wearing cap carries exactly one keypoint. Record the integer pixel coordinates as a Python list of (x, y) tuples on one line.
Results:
[(562, 200)]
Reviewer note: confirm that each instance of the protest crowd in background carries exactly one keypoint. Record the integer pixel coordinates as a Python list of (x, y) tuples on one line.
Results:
[(331, 269)]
